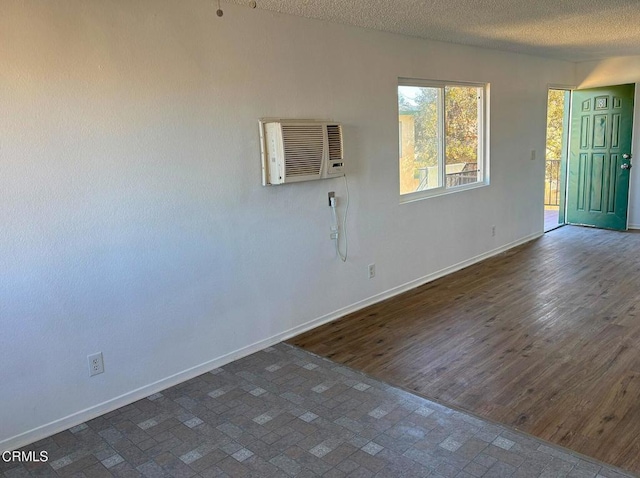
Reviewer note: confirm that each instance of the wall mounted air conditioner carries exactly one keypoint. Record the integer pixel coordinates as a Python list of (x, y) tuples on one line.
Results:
[(300, 150)]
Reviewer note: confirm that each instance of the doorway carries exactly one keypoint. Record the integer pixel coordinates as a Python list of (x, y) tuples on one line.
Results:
[(558, 107), (588, 157)]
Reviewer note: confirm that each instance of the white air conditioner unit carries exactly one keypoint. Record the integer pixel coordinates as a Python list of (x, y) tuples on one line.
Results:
[(300, 150)]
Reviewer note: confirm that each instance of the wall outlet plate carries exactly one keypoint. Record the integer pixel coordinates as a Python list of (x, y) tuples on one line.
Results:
[(96, 364)]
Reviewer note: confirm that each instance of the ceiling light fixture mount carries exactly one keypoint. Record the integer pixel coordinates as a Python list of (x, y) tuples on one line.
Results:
[(219, 11)]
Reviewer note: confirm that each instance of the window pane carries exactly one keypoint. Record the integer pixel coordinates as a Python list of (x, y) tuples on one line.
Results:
[(419, 109), (462, 128)]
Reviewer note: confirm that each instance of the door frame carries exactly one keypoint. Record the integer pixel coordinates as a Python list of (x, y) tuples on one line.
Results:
[(566, 123)]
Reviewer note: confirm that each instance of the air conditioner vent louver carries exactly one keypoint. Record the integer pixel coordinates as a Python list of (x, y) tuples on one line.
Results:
[(334, 135), (302, 149)]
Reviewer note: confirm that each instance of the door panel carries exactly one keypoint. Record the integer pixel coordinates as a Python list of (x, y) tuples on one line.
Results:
[(598, 185)]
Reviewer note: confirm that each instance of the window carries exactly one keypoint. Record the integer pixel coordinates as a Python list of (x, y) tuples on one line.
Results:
[(442, 137)]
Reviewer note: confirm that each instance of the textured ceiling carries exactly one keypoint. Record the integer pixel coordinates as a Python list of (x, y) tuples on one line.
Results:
[(575, 30)]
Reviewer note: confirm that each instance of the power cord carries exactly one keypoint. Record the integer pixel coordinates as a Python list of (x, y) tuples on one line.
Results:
[(335, 228)]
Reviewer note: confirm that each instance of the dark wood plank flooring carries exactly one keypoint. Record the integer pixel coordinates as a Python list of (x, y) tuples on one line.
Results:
[(544, 337)]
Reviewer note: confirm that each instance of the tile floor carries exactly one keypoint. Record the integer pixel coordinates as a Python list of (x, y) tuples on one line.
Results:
[(285, 412)]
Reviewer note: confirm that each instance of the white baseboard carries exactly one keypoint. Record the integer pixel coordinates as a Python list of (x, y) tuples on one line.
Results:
[(90, 413), (633, 226), (402, 288)]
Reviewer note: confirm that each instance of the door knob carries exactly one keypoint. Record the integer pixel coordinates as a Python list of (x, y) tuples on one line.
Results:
[(626, 156), (625, 166)]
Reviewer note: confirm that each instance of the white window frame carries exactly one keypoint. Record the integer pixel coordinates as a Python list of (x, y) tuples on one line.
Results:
[(483, 135)]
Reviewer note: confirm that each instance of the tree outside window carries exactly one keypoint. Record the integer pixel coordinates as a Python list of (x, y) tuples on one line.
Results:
[(441, 139)]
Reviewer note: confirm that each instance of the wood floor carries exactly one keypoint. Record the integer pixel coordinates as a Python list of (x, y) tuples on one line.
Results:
[(545, 338)]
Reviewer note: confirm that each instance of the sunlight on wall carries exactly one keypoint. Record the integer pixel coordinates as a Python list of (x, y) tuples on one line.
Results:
[(620, 70)]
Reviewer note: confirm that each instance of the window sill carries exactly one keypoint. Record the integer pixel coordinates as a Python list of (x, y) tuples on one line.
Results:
[(430, 193)]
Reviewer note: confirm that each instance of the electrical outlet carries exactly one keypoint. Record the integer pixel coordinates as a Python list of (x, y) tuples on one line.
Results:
[(96, 364), (493, 231), (331, 195), (372, 271), (533, 155)]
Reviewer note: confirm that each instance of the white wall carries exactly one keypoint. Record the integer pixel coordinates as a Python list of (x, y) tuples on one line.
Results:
[(619, 71), (132, 217)]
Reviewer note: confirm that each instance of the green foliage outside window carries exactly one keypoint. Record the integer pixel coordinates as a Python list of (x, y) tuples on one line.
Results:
[(440, 135), (461, 124)]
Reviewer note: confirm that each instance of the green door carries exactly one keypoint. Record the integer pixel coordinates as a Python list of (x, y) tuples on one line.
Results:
[(600, 157)]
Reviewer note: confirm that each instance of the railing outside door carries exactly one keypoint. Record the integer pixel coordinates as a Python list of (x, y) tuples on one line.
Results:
[(552, 182)]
